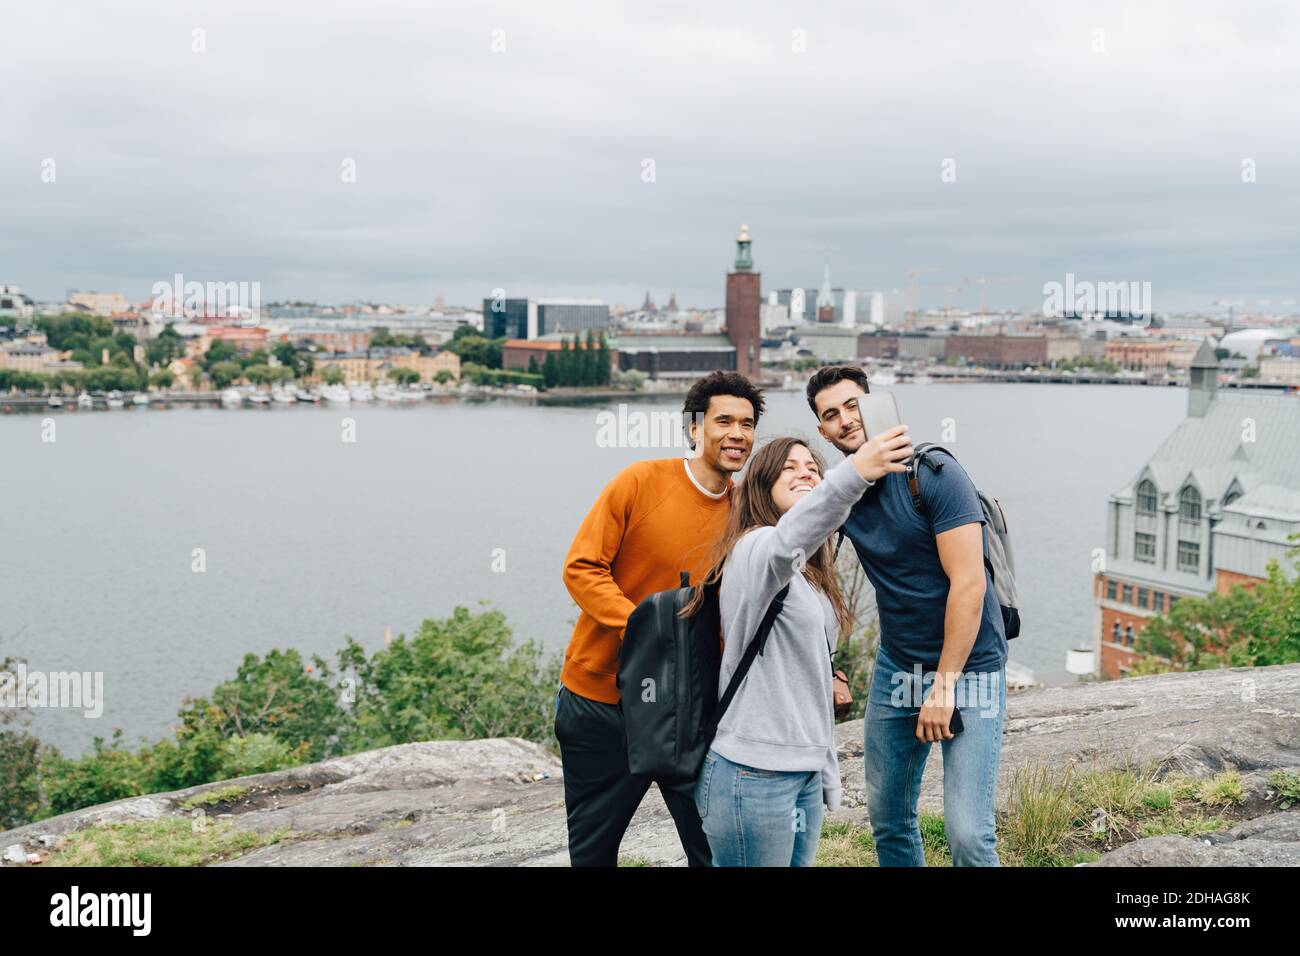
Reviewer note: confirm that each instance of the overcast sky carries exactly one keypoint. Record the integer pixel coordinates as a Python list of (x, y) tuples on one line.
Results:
[(524, 169)]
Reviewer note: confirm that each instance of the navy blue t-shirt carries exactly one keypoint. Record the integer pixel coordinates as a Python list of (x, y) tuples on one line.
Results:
[(896, 547)]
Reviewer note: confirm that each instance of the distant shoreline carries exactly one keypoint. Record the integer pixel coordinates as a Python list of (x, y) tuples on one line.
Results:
[(18, 404)]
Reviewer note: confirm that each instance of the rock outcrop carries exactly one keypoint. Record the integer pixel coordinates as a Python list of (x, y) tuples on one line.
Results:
[(501, 801)]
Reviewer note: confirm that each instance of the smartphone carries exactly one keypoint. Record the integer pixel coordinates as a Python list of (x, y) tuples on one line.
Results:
[(879, 413), (954, 723)]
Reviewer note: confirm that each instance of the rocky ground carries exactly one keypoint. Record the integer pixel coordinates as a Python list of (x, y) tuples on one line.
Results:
[(501, 801)]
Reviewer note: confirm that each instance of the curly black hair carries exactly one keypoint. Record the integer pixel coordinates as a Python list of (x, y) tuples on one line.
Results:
[(828, 375), (719, 383)]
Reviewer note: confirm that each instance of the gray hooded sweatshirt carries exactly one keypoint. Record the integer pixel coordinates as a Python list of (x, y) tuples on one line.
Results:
[(783, 714)]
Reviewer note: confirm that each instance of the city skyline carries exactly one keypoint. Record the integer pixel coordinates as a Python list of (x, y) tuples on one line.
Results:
[(410, 154)]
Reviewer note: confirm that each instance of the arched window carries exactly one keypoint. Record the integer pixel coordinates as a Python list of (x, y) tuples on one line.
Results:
[(1261, 526), (1114, 632), (1189, 504), (1128, 635), (1230, 497), (1147, 498)]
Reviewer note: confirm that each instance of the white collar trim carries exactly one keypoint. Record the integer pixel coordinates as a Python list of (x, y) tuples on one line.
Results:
[(686, 463)]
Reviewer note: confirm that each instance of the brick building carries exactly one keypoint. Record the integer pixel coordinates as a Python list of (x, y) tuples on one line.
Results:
[(1148, 354), (1215, 503), (743, 323), (998, 351)]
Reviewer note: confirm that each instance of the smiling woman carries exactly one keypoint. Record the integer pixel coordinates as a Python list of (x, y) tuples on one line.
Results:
[(773, 761)]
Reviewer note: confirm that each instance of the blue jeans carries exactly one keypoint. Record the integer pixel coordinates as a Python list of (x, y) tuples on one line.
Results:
[(895, 760), (756, 817)]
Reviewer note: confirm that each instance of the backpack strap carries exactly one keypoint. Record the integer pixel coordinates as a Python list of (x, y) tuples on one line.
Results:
[(747, 659), (921, 456)]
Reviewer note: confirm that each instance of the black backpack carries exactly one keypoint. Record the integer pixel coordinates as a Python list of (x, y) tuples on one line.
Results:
[(668, 670)]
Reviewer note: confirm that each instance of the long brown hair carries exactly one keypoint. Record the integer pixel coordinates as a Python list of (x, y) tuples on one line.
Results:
[(752, 507)]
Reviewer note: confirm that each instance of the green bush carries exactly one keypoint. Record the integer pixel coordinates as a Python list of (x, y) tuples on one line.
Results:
[(20, 759), (458, 678)]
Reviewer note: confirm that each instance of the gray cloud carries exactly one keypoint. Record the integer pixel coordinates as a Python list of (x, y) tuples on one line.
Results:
[(522, 169)]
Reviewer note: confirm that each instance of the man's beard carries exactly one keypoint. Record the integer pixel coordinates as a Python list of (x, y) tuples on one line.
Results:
[(846, 451)]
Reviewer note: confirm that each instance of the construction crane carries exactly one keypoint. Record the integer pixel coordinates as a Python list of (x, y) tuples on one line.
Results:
[(983, 282), (948, 290), (911, 273)]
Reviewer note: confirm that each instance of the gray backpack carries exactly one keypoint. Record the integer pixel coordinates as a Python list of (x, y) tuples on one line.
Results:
[(997, 544)]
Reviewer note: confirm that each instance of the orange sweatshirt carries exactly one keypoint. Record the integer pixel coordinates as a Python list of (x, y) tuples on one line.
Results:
[(649, 524)]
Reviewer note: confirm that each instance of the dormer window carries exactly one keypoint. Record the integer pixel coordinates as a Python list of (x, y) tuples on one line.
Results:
[(1147, 499), (1189, 504), (1230, 497)]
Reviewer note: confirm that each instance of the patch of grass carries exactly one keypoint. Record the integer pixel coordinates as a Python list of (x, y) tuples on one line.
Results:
[(1072, 817), (1160, 799), (634, 861), (1121, 791), (1287, 786), (1058, 820), (213, 797), (843, 844), (1182, 826), (1041, 812), (1222, 790), (934, 840), (169, 841)]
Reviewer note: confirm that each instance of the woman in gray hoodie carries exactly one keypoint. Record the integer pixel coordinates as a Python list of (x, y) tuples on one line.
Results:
[(772, 764)]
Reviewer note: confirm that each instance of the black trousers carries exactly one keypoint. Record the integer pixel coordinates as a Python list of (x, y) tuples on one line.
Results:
[(601, 796)]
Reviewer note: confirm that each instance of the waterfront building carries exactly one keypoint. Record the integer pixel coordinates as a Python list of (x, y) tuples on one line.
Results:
[(15, 304), (684, 357), (1280, 370), (243, 339), (773, 315), (1010, 351), (538, 317), (829, 343), (26, 356), (1209, 510), (101, 303), (1146, 354), (375, 364)]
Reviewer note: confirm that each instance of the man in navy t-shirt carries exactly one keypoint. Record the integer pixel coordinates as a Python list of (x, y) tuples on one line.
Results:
[(942, 642)]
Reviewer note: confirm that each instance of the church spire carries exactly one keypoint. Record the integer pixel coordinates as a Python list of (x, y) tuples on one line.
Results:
[(825, 297)]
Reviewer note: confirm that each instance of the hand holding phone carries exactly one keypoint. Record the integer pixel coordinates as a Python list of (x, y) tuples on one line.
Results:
[(886, 452), (955, 725)]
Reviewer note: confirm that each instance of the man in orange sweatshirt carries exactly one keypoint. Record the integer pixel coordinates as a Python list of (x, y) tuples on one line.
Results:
[(654, 520)]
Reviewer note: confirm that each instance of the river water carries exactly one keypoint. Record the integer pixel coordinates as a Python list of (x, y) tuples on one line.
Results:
[(306, 537)]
